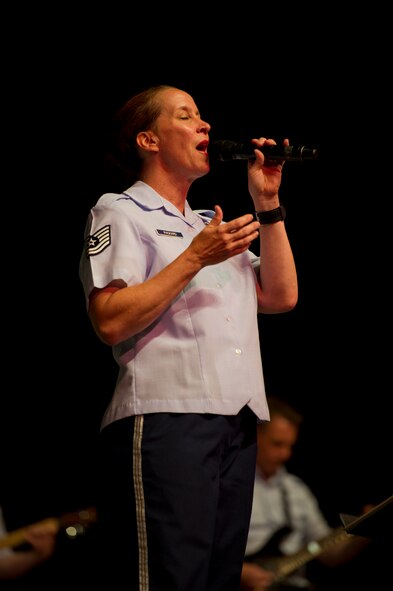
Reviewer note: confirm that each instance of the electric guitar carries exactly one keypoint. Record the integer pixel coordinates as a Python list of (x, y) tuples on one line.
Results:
[(74, 524), (283, 566)]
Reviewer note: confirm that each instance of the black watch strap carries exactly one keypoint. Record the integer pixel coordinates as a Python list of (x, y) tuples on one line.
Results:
[(272, 216)]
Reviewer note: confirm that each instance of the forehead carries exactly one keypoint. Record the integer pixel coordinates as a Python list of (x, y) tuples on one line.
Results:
[(173, 99)]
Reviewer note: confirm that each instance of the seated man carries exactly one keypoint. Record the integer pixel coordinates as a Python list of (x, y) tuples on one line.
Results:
[(42, 542), (286, 515)]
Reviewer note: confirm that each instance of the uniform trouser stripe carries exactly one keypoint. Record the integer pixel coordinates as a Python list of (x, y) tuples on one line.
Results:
[(140, 505)]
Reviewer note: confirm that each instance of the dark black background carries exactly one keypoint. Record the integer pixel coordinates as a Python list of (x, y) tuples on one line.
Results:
[(330, 356)]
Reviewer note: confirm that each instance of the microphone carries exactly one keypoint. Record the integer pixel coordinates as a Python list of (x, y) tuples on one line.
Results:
[(225, 150)]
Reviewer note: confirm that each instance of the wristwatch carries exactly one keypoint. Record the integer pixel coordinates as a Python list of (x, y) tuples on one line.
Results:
[(272, 216)]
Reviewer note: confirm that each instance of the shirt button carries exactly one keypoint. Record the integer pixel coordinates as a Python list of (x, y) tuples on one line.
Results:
[(238, 351)]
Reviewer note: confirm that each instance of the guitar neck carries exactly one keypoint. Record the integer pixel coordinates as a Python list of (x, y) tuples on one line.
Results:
[(76, 520), (286, 565), (17, 537)]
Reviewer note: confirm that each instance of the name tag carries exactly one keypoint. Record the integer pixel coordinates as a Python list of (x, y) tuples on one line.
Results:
[(169, 233)]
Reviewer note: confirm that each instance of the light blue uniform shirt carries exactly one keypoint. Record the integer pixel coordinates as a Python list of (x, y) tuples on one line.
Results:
[(268, 514), (7, 550), (202, 354)]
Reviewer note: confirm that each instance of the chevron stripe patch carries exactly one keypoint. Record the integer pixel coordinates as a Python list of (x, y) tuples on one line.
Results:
[(98, 242)]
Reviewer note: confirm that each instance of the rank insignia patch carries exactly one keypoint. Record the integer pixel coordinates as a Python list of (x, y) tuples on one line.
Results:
[(99, 241)]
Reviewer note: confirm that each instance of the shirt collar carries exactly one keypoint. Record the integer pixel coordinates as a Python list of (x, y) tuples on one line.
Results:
[(148, 199)]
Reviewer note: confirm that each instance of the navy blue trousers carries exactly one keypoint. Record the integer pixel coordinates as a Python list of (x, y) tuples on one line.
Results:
[(175, 501)]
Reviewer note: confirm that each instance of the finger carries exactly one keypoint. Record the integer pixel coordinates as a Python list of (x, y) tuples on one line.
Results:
[(217, 219), (242, 222)]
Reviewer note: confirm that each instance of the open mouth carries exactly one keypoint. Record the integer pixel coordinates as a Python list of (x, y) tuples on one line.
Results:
[(202, 147)]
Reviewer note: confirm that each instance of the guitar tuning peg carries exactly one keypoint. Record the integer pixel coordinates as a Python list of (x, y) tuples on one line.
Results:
[(75, 530)]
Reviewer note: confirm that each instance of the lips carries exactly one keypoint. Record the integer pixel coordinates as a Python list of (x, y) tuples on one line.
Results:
[(202, 147)]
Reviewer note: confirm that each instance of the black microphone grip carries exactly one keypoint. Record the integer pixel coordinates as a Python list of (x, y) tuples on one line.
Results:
[(226, 150)]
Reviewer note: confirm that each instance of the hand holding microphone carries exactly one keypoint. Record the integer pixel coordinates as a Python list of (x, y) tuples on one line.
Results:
[(226, 150)]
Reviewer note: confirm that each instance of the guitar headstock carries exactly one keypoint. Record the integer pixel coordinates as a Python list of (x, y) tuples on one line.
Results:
[(75, 523)]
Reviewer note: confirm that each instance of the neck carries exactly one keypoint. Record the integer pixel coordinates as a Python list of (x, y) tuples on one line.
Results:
[(169, 186)]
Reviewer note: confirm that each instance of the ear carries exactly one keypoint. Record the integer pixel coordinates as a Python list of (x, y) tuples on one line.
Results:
[(147, 140)]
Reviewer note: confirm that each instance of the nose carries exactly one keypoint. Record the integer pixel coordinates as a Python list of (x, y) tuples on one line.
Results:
[(204, 126)]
